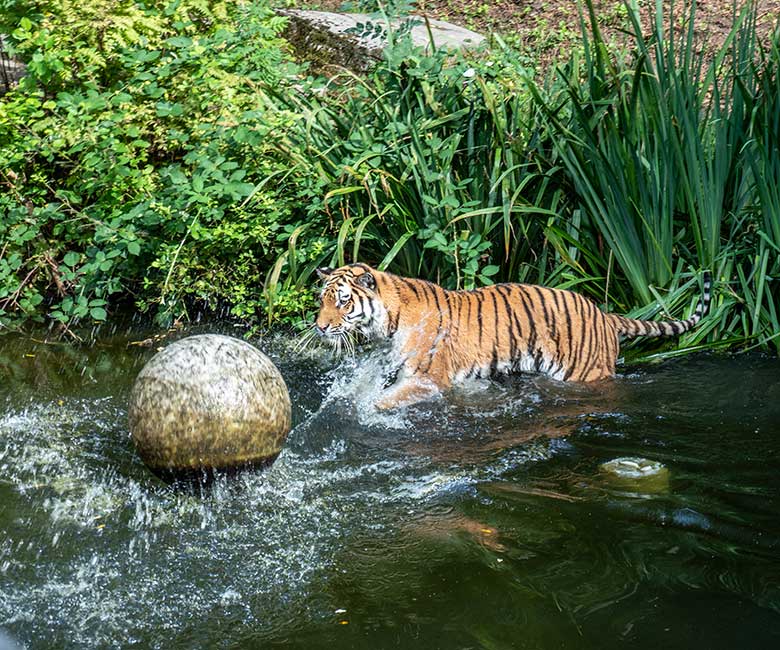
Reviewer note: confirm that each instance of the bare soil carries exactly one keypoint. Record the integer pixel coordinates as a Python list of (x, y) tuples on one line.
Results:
[(546, 30)]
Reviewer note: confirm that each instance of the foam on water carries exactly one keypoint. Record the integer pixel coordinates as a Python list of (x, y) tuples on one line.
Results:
[(358, 382), (118, 556), (107, 554), (497, 481)]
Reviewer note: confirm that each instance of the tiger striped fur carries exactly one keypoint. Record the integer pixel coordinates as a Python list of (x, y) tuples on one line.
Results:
[(445, 336)]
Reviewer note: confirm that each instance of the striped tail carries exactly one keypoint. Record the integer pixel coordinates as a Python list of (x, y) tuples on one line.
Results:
[(630, 327)]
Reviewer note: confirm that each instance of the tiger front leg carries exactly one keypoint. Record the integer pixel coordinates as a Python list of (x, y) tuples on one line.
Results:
[(406, 392), (415, 386)]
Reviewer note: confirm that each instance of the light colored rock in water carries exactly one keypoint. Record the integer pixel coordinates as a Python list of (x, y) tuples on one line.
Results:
[(324, 37), (636, 475), (206, 403)]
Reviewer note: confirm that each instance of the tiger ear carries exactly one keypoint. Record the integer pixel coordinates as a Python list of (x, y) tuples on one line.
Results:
[(324, 272), (366, 280)]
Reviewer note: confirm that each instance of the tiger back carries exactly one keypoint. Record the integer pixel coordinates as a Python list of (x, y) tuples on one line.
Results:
[(443, 336)]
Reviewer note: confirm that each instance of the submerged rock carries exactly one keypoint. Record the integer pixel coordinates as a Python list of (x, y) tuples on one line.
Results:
[(356, 41), (207, 403), (634, 474)]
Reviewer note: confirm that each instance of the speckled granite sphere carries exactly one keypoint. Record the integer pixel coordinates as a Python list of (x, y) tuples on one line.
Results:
[(205, 403)]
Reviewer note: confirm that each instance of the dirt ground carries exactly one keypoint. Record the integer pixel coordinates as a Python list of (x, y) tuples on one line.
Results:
[(547, 29)]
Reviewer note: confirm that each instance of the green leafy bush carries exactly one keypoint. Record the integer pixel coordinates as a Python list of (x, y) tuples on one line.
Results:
[(169, 152), (136, 159), (425, 165)]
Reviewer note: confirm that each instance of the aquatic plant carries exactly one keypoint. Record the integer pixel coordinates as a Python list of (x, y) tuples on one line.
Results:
[(662, 150)]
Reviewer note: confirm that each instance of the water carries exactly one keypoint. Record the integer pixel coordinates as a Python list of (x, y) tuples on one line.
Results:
[(477, 521)]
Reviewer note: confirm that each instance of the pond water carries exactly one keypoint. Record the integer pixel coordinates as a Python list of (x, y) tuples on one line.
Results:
[(481, 520)]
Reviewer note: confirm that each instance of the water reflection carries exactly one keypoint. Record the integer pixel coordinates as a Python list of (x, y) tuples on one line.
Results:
[(479, 518)]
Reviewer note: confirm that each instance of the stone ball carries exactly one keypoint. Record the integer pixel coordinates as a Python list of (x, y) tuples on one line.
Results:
[(205, 403)]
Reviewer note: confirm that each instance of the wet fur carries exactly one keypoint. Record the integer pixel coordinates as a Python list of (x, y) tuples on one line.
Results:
[(444, 336)]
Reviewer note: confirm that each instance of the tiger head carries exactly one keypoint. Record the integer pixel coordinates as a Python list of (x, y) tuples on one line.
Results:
[(350, 303)]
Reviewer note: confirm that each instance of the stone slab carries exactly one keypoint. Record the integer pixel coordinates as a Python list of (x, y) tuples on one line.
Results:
[(323, 37)]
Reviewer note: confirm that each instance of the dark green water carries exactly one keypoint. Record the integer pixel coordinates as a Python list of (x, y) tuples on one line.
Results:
[(478, 521)]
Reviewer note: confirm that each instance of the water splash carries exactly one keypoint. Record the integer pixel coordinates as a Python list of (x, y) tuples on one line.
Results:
[(496, 477), (268, 539)]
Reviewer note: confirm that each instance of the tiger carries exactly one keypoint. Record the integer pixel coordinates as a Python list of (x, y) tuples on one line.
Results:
[(442, 337)]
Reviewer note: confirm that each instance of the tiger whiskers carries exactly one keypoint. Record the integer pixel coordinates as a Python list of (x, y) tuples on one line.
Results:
[(342, 343), (305, 340)]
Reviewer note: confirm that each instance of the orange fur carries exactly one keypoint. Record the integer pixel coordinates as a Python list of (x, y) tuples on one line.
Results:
[(445, 336)]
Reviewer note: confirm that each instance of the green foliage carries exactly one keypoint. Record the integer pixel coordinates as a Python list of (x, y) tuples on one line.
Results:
[(759, 271), (663, 153), (622, 175), (167, 151), (67, 41), (136, 159), (424, 164)]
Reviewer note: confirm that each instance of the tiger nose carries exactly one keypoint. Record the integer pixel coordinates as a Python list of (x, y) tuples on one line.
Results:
[(322, 328)]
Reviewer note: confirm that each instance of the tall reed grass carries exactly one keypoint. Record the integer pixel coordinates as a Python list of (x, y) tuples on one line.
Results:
[(623, 174)]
